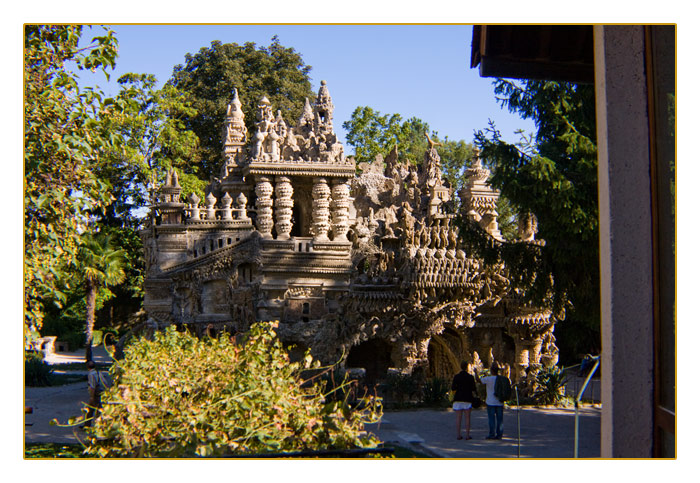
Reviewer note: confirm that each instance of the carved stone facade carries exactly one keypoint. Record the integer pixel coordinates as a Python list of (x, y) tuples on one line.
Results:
[(365, 269)]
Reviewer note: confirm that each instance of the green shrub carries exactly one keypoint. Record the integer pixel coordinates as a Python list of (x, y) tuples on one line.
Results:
[(436, 391), (550, 386), (179, 396), (36, 371), (402, 387)]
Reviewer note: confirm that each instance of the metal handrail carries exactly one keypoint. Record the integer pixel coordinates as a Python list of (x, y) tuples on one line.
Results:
[(578, 399)]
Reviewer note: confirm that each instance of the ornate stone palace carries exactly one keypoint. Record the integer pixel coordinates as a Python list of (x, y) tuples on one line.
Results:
[(363, 269)]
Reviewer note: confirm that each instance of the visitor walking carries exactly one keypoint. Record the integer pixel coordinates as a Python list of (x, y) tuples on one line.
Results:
[(494, 407), (95, 392), (464, 386)]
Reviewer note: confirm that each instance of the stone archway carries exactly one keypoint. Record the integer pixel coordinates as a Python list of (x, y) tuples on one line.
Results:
[(442, 361)]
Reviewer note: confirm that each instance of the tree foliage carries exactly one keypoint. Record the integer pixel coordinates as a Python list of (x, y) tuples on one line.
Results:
[(62, 140), (177, 396), (554, 177), (151, 124), (372, 133), (100, 264), (210, 75)]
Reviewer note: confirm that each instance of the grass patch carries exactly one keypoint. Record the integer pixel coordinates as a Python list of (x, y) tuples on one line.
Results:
[(402, 452), (52, 450)]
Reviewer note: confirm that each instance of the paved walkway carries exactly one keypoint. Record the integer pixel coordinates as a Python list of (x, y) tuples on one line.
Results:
[(544, 433)]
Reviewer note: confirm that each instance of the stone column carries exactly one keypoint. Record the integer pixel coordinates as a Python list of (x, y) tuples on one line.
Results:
[(226, 207), (210, 201), (341, 209), (194, 204), (321, 194), (283, 207), (536, 350), (241, 212), (263, 190), (522, 358)]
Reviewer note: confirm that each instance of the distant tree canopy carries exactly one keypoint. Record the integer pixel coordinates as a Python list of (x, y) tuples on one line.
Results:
[(371, 133), (554, 176), (209, 77)]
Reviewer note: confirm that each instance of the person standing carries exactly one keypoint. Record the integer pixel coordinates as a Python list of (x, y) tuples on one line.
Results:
[(95, 393), (464, 386), (494, 407)]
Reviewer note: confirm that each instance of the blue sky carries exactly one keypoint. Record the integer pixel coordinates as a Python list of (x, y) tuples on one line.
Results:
[(412, 70)]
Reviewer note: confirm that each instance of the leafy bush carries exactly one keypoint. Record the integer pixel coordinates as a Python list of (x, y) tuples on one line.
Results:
[(436, 391), (550, 386), (179, 396), (36, 371), (402, 387)]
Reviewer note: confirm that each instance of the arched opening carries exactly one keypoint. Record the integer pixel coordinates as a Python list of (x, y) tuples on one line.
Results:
[(442, 362), (374, 356)]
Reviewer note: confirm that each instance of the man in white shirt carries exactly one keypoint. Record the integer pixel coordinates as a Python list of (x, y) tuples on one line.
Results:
[(494, 407)]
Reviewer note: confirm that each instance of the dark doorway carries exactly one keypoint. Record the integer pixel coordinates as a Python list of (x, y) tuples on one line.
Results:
[(374, 356)]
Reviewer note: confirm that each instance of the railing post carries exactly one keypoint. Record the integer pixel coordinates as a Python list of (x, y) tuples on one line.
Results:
[(578, 398)]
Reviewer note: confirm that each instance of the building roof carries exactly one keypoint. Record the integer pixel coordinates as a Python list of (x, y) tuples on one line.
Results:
[(538, 52)]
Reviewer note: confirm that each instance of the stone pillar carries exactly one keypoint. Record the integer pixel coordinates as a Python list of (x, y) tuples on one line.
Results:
[(241, 212), (626, 247), (263, 190), (194, 204), (283, 207), (210, 201), (321, 194), (226, 207), (522, 358), (341, 209), (536, 350)]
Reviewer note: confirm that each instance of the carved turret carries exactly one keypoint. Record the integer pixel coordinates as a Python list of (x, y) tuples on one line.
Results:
[(170, 208), (234, 136), (323, 110), (479, 199)]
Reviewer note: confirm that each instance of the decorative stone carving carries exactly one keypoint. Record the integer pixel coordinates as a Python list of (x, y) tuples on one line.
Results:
[(283, 207), (340, 206), (194, 207), (263, 190), (226, 213), (321, 196), (210, 212), (402, 282)]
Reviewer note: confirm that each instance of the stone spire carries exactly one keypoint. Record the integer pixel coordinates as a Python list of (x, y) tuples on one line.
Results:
[(479, 199), (234, 135), (323, 110), (306, 121)]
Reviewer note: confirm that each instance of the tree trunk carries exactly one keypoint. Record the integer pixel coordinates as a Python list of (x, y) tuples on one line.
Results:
[(90, 296)]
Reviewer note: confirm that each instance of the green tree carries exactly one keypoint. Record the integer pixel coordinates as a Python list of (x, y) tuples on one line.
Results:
[(151, 123), (554, 176), (210, 75), (99, 265), (176, 395), (371, 133), (62, 139)]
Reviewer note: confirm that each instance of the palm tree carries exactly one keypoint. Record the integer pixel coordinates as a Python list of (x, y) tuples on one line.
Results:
[(101, 265)]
